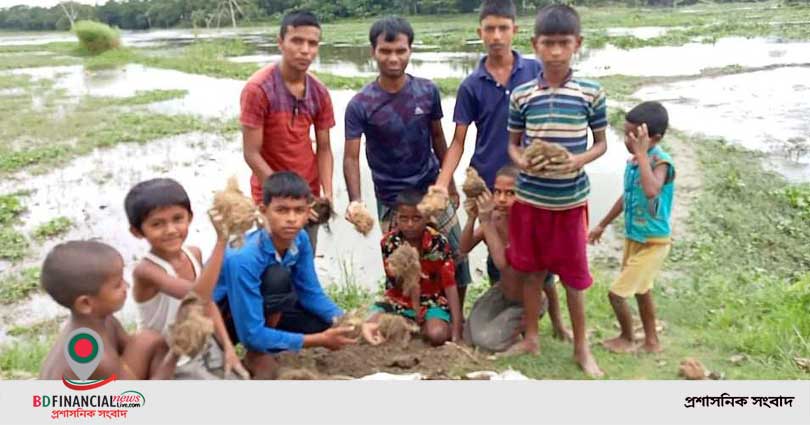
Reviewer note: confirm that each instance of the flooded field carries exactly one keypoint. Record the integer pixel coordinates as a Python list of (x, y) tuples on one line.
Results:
[(763, 110)]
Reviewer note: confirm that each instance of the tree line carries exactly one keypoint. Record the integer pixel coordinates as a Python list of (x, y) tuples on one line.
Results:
[(146, 14)]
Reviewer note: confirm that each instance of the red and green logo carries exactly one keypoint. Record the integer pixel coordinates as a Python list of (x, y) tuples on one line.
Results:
[(83, 352)]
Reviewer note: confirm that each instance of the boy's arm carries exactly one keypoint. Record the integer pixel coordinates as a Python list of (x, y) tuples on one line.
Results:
[(448, 277), (323, 145), (453, 156), (351, 168), (451, 292), (353, 127), (577, 161), (254, 105), (515, 150), (150, 274), (516, 125), (221, 334), (207, 279), (470, 236), (497, 248), (464, 113), (309, 290), (440, 149), (326, 161), (651, 179), (596, 234)]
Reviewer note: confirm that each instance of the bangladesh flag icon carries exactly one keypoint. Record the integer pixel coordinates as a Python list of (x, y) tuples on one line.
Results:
[(83, 352)]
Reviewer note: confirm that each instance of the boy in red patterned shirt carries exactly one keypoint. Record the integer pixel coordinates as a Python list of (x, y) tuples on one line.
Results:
[(439, 310)]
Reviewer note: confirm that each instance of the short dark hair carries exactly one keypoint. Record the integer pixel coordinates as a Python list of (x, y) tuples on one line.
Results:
[(508, 170), (651, 113), (76, 268), (410, 197), (390, 28), (502, 8), (298, 18), (557, 19), (152, 194), (285, 184)]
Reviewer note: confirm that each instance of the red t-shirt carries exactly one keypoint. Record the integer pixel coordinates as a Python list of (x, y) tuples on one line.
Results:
[(267, 103)]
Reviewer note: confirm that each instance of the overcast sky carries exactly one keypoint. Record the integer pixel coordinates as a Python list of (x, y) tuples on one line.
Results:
[(43, 3)]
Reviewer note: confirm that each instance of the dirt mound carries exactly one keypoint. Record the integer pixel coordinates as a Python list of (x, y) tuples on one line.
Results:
[(238, 212), (540, 153), (191, 328), (362, 220), (404, 265), (434, 203), (473, 185), (323, 208), (448, 361)]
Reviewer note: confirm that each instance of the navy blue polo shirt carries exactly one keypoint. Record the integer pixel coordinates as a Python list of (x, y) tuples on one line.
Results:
[(485, 102)]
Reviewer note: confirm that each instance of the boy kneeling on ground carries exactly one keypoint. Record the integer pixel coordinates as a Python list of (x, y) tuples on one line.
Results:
[(277, 262), (439, 309)]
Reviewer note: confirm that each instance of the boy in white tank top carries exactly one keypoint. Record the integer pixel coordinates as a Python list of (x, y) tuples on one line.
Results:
[(159, 210)]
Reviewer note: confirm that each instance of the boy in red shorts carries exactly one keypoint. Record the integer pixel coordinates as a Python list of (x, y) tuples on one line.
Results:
[(548, 224)]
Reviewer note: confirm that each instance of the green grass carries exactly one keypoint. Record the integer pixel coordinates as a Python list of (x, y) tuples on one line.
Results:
[(10, 208), (22, 359), (52, 228), (34, 61), (13, 244), (43, 328), (347, 293), (18, 286), (96, 37)]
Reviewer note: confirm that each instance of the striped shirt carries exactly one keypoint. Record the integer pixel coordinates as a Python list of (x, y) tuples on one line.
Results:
[(559, 115)]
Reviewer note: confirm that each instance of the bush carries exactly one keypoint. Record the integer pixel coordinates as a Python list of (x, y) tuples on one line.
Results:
[(95, 37)]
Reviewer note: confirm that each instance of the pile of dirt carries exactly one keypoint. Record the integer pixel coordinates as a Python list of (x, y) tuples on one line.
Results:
[(362, 220), (191, 328), (473, 185), (448, 361), (404, 264), (324, 209), (434, 203), (237, 212), (540, 153)]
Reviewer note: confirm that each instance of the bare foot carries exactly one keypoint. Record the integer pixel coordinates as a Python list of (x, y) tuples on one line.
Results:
[(619, 345), (526, 346), (652, 348), (563, 334), (588, 364)]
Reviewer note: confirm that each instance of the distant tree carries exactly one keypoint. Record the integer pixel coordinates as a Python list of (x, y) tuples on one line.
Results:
[(70, 11)]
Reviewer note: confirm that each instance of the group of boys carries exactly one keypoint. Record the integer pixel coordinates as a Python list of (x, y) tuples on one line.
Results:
[(534, 221)]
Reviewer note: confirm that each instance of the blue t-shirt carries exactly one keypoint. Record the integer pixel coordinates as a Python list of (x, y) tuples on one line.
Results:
[(647, 219), (397, 127), (240, 281), (485, 102)]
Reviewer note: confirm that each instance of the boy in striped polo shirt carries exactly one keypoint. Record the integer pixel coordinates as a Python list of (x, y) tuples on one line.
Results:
[(548, 224)]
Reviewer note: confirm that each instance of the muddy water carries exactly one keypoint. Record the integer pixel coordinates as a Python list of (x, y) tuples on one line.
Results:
[(765, 111), (208, 97), (691, 58)]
